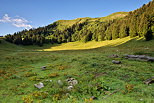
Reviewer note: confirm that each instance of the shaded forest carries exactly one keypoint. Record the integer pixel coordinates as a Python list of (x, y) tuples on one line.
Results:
[(139, 22)]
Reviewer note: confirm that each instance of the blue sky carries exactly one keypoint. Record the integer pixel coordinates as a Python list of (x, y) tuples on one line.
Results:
[(16, 15)]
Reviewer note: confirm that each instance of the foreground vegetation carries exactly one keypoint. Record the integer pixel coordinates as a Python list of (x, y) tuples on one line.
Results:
[(20, 69)]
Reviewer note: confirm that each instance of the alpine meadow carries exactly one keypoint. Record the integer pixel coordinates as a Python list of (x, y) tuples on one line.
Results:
[(85, 60)]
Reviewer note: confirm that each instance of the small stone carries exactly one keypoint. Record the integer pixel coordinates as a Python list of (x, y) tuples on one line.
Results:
[(146, 48), (150, 59), (149, 80), (67, 94), (43, 67), (70, 88), (39, 85), (116, 62), (75, 82), (60, 82), (114, 56), (94, 98), (72, 81)]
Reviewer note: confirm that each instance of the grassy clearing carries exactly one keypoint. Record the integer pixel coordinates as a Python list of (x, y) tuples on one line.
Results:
[(88, 45), (20, 69)]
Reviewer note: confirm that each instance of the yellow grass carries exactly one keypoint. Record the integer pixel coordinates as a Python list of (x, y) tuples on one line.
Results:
[(89, 45)]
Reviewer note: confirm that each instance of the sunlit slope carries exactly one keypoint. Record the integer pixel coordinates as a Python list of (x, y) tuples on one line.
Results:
[(88, 45), (63, 24)]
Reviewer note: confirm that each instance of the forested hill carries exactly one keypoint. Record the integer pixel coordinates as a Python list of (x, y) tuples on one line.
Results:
[(139, 22)]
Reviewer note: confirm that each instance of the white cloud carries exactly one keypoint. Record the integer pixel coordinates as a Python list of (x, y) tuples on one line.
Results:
[(18, 21), (5, 18), (23, 25)]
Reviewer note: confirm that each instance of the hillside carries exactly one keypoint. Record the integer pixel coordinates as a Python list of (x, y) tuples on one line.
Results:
[(68, 23), (139, 22), (65, 24)]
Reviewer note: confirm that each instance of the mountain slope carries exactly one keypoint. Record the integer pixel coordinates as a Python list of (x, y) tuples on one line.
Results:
[(139, 22)]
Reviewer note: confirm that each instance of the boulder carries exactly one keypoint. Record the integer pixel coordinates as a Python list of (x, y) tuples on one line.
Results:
[(150, 59), (140, 57)]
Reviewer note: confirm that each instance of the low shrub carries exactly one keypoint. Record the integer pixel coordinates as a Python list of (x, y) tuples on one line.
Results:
[(29, 74), (27, 99), (129, 88), (2, 72), (52, 75), (39, 95), (34, 78)]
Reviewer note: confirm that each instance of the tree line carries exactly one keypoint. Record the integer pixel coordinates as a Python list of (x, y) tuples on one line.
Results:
[(139, 22)]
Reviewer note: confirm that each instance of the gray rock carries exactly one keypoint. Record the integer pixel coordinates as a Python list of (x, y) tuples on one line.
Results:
[(72, 81), (94, 98), (150, 59), (140, 57), (114, 56), (70, 88), (116, 62), (67, 94), (39, 85), (60, 82), (43, 67), (149, 81)]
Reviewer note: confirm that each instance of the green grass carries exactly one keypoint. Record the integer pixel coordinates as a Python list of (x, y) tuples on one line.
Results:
[(89, 45), (20, 69)]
